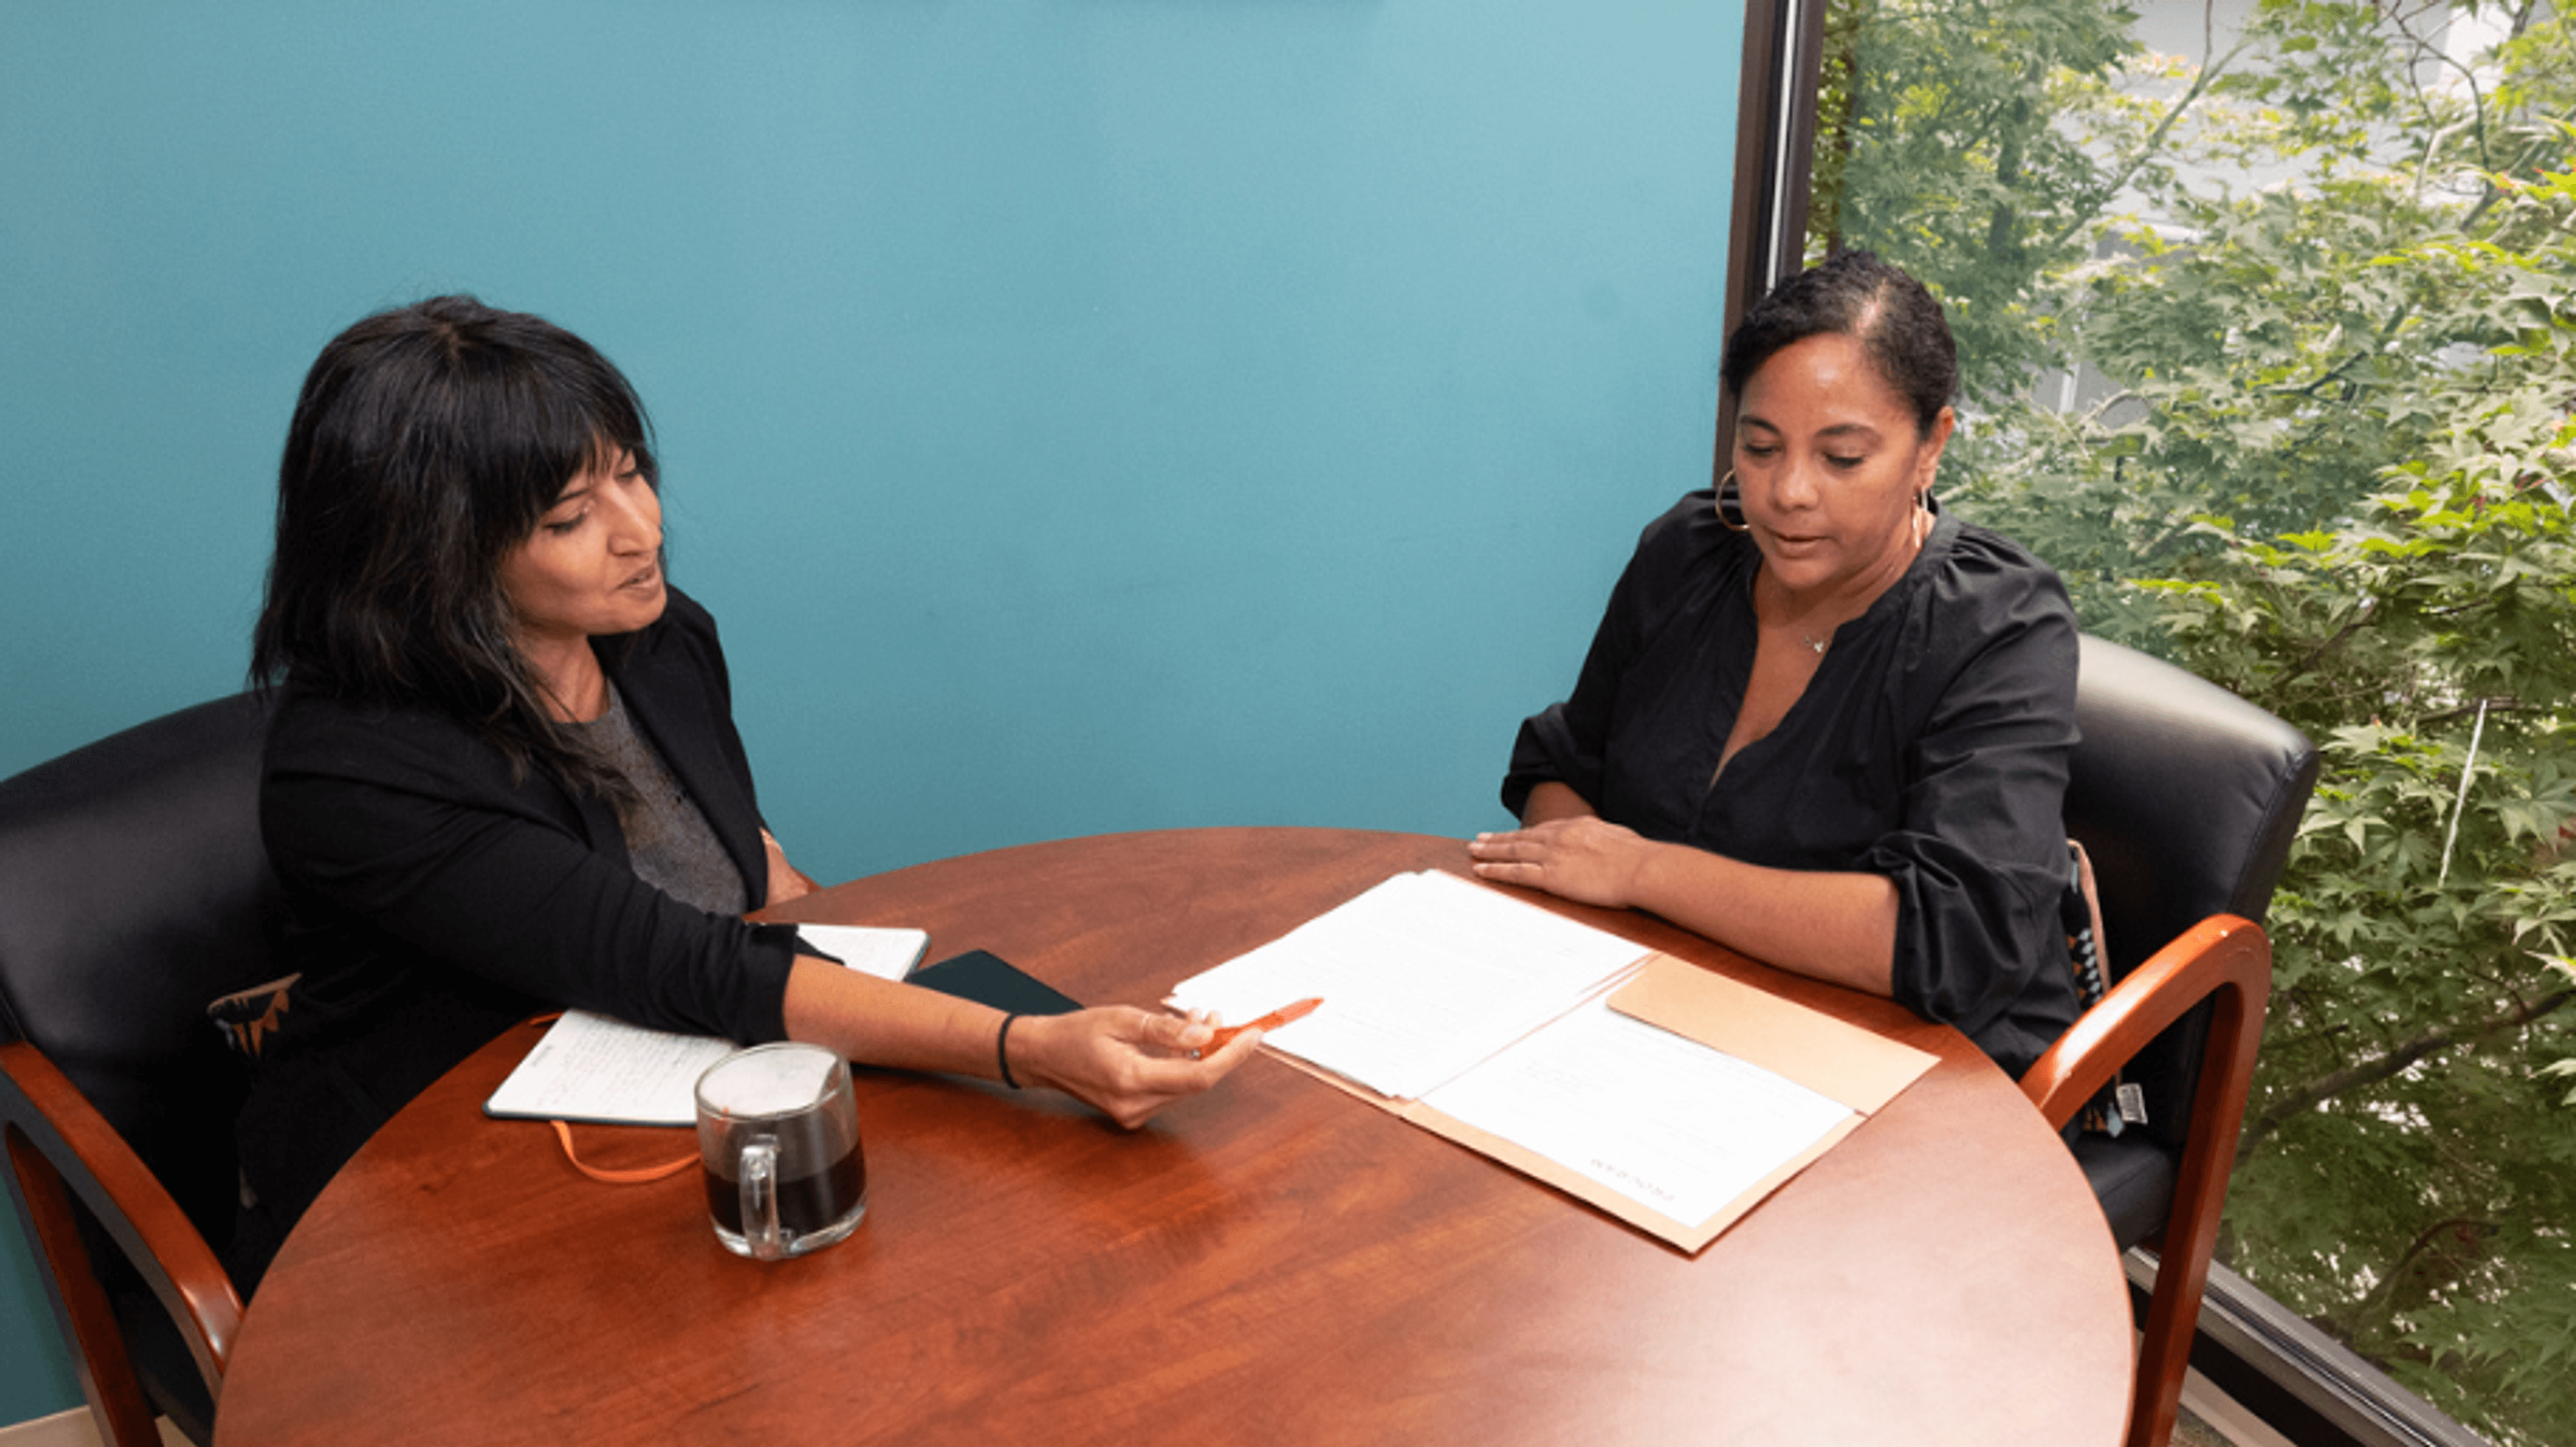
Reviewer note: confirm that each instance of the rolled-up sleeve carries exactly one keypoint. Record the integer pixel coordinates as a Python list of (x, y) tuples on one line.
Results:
[(1979, 855)]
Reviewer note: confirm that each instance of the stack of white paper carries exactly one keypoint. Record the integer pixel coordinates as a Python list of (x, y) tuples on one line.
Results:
[(1564, 1051), (1657, 1117), (1421, 977), (887, 953)]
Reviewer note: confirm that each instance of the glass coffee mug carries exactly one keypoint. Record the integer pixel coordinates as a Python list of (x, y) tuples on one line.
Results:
[(778, 1139)]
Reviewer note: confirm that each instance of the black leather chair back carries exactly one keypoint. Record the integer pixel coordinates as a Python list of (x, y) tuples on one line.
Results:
[(2188, 799), (133, 890)]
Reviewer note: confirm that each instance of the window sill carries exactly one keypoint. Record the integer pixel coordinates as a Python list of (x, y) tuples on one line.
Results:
[(2302, 1383)]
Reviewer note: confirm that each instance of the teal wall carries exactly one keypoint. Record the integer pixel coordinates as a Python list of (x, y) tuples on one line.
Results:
[(1083, 415)]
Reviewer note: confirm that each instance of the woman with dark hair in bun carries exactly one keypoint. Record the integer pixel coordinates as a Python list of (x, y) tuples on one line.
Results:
[(503, 775), (1822, 722)]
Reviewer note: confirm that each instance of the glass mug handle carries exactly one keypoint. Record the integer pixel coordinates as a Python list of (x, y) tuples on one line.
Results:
[(760, 1199)]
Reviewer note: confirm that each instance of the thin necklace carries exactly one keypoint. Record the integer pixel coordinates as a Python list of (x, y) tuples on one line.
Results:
[(1919, 527)]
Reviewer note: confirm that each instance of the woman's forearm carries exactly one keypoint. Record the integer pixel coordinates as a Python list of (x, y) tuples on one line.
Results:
[(1838, 927), (1554, 801), (1124, 1062), (880, 1022)]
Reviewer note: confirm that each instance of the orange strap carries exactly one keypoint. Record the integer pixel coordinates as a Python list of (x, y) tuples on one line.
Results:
[(634, 1177)]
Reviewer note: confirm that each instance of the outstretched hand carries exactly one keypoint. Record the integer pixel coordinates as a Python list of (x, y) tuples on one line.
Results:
[(1124, 1062), (1584, 858)]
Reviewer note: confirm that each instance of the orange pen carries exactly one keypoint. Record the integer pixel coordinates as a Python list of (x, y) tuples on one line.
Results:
[(1271, 1021)]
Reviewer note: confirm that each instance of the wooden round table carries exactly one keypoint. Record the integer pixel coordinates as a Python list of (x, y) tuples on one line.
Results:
[(1273, 1262)]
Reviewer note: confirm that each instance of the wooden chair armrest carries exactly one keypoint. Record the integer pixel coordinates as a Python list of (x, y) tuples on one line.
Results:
[(2221, 952), (2226, 961), (41, 1107)]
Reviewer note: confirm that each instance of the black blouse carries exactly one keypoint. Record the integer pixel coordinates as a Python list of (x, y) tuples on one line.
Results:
[(1930, 747)]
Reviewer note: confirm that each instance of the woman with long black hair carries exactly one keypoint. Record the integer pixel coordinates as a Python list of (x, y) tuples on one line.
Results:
[(503, 775)]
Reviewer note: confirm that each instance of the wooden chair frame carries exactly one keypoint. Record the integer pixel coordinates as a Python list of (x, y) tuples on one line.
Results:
[(2226, 961), (60, 1151)]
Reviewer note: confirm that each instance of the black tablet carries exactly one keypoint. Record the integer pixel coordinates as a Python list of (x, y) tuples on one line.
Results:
[(988, 979)]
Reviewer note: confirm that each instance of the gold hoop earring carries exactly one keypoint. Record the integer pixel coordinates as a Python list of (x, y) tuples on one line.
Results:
[(1730, 505)]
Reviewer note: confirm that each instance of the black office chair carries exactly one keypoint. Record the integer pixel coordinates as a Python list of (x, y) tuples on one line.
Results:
[(134, 890), (2187, 798)]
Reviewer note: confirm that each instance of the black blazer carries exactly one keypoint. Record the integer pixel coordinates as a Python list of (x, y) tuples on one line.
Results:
[(437, 900)]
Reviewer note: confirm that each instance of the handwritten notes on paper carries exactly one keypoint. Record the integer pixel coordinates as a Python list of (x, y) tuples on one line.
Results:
[(590, 1067)]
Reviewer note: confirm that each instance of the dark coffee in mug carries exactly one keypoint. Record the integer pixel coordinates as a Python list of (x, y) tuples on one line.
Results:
[(806, 1204), (778, 1148)]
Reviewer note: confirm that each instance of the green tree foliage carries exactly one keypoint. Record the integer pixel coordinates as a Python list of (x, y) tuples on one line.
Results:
[(2408, 1172), (1938, 149), (2277, 363)]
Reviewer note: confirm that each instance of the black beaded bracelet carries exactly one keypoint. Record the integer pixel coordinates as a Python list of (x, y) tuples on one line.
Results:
[(1002, 1051)]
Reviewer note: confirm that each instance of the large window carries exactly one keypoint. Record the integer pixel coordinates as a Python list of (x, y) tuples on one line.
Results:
[(2269, 321)]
